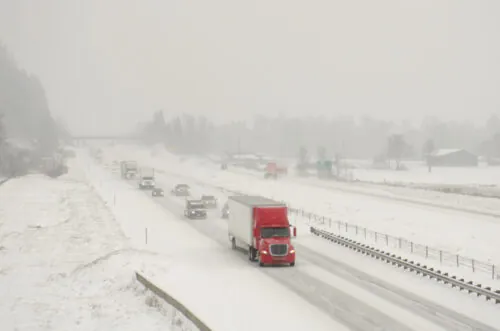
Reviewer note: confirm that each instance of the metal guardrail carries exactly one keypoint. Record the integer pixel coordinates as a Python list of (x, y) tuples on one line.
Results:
[(173, 302), (401, 244), (432, 273)]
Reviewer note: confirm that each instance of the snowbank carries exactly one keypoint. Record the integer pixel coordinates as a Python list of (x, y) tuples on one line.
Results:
[(65, 262)]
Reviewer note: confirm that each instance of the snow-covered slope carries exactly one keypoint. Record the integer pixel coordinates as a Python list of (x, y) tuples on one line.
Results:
[(64, 262)]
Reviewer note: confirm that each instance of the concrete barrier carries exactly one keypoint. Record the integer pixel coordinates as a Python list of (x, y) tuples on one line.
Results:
[(173, 302)]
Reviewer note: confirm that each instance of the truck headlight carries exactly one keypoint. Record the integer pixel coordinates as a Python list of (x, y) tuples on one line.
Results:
[(292, 251), (264, 252)]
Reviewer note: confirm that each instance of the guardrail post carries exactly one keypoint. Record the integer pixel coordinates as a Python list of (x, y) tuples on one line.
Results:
[(440, 256)]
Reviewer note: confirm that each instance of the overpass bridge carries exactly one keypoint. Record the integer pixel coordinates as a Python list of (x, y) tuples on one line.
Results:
[(80, 140)]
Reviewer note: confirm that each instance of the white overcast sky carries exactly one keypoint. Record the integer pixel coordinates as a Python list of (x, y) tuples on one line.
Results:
[(106, 64)]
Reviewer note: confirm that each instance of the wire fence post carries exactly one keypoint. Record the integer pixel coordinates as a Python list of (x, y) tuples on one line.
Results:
[(440, 257), (146, 235), (473, 267), (386, 240), (411, 247), (458, 261), (365, 232), (493, 271), (399, 243), (426, 252)]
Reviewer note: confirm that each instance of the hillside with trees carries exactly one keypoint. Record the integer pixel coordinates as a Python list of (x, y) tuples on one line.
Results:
[(25, 119), (346, 137)]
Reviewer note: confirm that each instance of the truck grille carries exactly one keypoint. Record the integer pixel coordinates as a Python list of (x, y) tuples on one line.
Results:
[(278, 249)]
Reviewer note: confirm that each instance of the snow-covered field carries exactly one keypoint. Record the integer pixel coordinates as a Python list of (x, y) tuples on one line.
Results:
[(460, 233), (65, 263), (418, 173)]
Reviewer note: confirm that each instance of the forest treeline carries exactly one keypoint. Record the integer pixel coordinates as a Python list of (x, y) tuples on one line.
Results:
[(365, 137)]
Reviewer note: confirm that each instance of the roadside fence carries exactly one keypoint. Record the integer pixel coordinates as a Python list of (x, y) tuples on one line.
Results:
[(383, 239)]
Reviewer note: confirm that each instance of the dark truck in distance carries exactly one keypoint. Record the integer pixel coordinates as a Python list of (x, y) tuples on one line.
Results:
[(181, 190), (195, 209), (209, 200), (157, 192), (128, 169), (261, 226)]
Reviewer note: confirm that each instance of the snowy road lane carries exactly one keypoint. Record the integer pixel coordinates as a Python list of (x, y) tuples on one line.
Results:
[(327, 295), (218, 286), (396, 300)]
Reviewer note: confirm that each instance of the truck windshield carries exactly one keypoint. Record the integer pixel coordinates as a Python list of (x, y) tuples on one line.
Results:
[(274, 232)]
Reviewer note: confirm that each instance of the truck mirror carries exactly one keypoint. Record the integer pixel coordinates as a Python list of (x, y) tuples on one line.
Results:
[(295, 231)]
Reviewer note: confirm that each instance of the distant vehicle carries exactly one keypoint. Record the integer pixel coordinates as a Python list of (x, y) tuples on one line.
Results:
[(181, 190), (225, 211), (261, 226), (195, 209), (147, 178), (209, 201), (128, 169), (157, 192), (271, 171)]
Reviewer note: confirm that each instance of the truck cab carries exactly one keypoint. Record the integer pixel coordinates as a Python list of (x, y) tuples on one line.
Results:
[(261, 226), (273, 237)]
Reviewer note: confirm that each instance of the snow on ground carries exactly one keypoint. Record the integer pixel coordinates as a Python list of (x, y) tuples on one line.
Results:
[(211, 280), (346, 260), (65, 264), (418, 173), (458, 233)]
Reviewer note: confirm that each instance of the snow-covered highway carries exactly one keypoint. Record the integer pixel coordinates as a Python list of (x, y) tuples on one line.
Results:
[(373, 296)]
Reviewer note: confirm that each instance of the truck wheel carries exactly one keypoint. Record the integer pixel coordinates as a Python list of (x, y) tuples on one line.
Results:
[(251, 254), (292, 264), (233, 244), (261, 264)]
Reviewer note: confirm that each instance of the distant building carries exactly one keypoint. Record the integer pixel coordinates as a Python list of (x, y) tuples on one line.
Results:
[(453, 158)]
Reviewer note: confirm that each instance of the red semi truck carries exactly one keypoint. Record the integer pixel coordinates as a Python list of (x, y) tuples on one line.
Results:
[(261, 226)]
